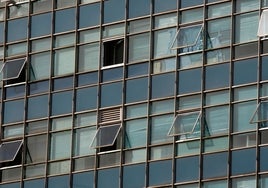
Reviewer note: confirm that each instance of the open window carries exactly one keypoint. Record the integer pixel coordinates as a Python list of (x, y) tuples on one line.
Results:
[(106, 136), (113, 53), (189, 38), (13, 71), (9, 153), (263, 25), (186, 126), (261, 114)]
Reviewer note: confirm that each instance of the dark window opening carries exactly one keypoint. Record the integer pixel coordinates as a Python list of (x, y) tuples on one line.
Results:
[(113, 52), (11, 153)]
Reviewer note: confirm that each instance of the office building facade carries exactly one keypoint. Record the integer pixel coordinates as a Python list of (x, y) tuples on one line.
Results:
[(133, 94)]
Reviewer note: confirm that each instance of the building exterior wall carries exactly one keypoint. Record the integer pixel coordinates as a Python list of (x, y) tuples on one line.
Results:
[(133, 94)]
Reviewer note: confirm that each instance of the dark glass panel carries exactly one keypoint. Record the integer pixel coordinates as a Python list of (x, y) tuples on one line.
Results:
[(41, 25), (62, 103), (89, 15), (163, 85), (112, 74), (161, 6), (190, 3), (187, 169), (245, 71), (37, 107), (39, 87), (13, 111), (137, 90), (138, 8), (137, 70), (217, 76), (61, 17), (189, 81), (108, 178), (264, 68), (58, 181), (263, 159), (114, 10), (87, 79), (40, 183), (83, 180), (15, 91), (111, 94), (17, 29), (86, 98), (137, 171), (63, 83), (160, 172)]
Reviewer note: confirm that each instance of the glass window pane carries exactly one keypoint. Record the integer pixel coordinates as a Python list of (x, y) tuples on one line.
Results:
[(246, 27), (113, 30), (136, 90), (64, 61), (105, 136), (165, 20), (191, 60), (138, 110), (162, 42), (41, 44), (139, 47), (217, 76), (187, 169), (38, 87), (12, 69), (162, 6), (216, 144), (189, 81), (89, 57), (139, 25), (40, 66), (137, 70), (218, 56), (108, 178), (138, 8), (114, 10), (60, 20), (190, 3), (244, 6), (193, 101), (89, 35), (219, 97), (244, 181), (112, 74), (136, 171), (34, 103), (136, 133), (220, 160), (36, 149), (89, 15), (18, 11), (244, 140), (64, 40), (163, 106), (82, 139), (13, 131), (58, 181), (61, 123), (60, 145), (42, 5), (62, 103), (87, 79), (34, 183), (163, 85), (245, 93), (41, 25), (217, 10), (160, 126), (85, 119), (64, 3), (192, 15), (111, 94), (85, 179), (215, 184), (161, 152), (61, 167), (86, 98), (156, 171), (17, 29), (243, 161), (164, 65), (37, 127), (134, 156), (9, 150), (188, 148), (13, 111)]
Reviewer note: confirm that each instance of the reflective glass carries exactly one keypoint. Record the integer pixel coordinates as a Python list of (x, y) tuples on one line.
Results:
[(138, 110), (136, 90), (111, 94), (65, 3), (61, 123), (165, 20), (244, 140), (64, 61), (162, 6), (163, 85), (113, 30), (82, 138), (16, 49), (139, 25), (187, 169), (220, 160), (161, 152), (191, 60), (218, 56), (13, 131), (41, 25), (89, 57), (89, 15), (1, 32), (17, 29), (36, 149), (243, 161), (189, 81), (15, 91), (108, 178), (38, 87), (62, 103), (156, 171), (193, 101), (13, 111), (61, 16), (60, 145), (215, 184), (112, 74), (114, 10), (139, 46), (61, 167), (138, 8), (245, 71), (84, 163), (40, 66), (264, 64), (162, 106), (217, 10), (192, 15), (41, 44), (86, 98), (12, 69), (134, 156), (136, 171), (188, 148), (244, 6), (217, 76), (58, 181), (218, 97), (87, 79), (136, 133), (89, 35), (64, 40), (34, 183), (18, 11), (36, 127), (63, 83), (85, 180), (162, 42), (85, 119), (164, 65), (190, 3), (160, 126), (244, 181), (137, 70), (34, 103), (216, 144)]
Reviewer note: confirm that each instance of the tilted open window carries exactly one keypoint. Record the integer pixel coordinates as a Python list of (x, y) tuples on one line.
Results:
[(189, 38), (261, 114), (9, 150), (263, 25), (13, 70), (113, 53), (186, 125)]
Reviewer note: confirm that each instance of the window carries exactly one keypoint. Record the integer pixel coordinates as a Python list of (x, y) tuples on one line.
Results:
[(113, 52), (12, 70), (189, 38), (261, 113), (9, 150), (263, 26), (187, 124), (106, 136)]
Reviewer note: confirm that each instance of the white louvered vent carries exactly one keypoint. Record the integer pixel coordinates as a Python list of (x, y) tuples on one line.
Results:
[(110, 115)]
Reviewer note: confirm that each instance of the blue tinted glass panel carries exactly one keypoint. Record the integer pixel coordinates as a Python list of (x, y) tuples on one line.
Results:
[(217, 76), (136, 90), (41, 25), (87, 79), (15, 91), (83, 180), (114, 10), (161, 6), (1, 32), (61, 17), (89, 15), (10, 185), (62, 102), (137, 70), (40, 183), (108, 178), (63, 83), (187, 169), (163, 85), (58, 181), (138, 8), (137, 171), (263, 159), (218, 160), (243, 161), (86, 98), (190, 3), (189, 81), (112, 74), (13, 111), (264, 72), (245, 71), (17, 29), (39, 87), (111, 94), (37, 107), (160, 172)]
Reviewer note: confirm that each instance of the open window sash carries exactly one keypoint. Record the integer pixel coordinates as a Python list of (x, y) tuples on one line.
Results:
[(261, 114), (105, 136), (9, 150), (12, 69)]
